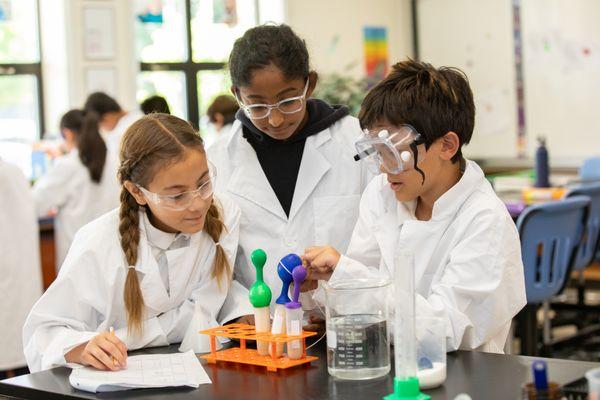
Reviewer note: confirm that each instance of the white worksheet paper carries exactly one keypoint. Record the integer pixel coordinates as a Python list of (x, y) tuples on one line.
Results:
[(143, 371)]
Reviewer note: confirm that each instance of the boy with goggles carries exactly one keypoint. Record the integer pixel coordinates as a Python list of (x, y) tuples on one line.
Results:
[(431, 201)]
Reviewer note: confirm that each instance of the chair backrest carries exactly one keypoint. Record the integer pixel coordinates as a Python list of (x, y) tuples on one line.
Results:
[(590, 241), (550, 236), (590, 169)]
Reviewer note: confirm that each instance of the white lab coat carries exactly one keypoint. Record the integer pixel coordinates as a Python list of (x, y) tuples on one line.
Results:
[(468, 266), (113, 137), (325, 204), (87, 296), (21, 282), (68, 188)]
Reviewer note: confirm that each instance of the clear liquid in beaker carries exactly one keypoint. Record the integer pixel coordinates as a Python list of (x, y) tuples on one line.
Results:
[(358, 347)]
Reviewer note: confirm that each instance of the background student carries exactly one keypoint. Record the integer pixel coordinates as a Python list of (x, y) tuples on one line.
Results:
[(21, 282), (221, 114), (111, 120), (81, 185)]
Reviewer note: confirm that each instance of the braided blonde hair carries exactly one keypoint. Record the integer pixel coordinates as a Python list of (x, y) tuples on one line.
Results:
[(148, 144)]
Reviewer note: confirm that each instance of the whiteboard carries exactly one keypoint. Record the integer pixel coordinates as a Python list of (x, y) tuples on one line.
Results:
[(562, 75), (561, 67), (482, 46)]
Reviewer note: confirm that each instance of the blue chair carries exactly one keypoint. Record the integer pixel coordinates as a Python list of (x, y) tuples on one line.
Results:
[(580, 314), (550, 238), (589, 246), (590, 169)]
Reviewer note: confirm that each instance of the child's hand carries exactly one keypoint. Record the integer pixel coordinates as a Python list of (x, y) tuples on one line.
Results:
[(320, 262), (315, 324), (245, 319), (104, 351)]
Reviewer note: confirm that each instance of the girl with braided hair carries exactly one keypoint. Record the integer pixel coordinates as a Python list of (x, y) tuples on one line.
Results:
[(143, 267)]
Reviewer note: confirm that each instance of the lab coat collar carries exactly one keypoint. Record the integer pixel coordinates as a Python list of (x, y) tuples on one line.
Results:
[(155, 236), (312, 169), (248, 179), (445, 207), (235, 133), (449, 203)]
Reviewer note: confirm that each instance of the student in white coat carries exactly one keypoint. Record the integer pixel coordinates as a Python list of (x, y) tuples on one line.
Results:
[(111, 119), (81, 185), (221, 115), (142, 268), (287, 161), (21, 282), (433, 202)]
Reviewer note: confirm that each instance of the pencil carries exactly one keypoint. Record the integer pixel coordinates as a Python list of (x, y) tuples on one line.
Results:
[(112, 333)]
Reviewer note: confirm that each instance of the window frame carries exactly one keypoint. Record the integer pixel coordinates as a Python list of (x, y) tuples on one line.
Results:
[(31, 69), (189, 68)]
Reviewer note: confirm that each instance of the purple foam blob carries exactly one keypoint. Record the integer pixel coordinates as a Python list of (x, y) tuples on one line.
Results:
[(299, 275)]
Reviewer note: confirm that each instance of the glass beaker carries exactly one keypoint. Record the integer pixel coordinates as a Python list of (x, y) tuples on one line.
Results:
[(431, 351), (358, 345), (593, 379)]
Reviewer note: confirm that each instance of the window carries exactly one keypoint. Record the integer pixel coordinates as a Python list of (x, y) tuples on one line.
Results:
[(21, 113), (183, 46)]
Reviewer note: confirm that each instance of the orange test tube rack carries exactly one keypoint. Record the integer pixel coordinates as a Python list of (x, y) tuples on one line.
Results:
[(243, 355)]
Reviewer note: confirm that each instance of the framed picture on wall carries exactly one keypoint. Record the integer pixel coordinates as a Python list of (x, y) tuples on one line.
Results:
[(99, 33), (101, 79)]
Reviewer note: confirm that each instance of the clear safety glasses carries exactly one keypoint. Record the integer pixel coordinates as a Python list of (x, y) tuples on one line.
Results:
[(393, 151), (290, 105), (183, 200)]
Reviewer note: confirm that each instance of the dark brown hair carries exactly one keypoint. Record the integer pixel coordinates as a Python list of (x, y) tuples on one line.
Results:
[(433, 100), (91, 146), (148, 144), (225, 105)]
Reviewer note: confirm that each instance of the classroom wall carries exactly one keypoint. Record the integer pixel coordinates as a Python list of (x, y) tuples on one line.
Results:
[(68, 72), (333, 30), (560, 58)]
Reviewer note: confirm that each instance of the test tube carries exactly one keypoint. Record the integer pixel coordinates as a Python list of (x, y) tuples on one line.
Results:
[(294, 315), (278, 327), (294, 328), (285, 267)]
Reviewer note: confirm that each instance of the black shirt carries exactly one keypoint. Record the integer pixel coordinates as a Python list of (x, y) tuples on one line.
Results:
[(280, 159)]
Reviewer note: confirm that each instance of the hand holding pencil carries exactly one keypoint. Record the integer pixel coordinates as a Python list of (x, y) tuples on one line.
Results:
[(104, 351)]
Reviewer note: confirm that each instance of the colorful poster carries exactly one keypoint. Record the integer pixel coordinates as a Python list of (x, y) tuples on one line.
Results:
[(151, 12), (376, 53)]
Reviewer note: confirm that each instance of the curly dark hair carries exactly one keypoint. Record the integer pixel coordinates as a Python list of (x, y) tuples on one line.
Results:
[(264, 45)]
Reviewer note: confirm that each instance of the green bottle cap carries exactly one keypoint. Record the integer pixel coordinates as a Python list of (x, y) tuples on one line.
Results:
[(260, 294)]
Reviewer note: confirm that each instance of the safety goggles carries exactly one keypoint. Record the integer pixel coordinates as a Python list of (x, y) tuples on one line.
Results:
[(290, 105), (183, 200), (393, 151)]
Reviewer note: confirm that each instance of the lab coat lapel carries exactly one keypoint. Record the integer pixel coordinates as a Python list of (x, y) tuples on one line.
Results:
[(312, 169), (153, 289), (250, 182), (183, 268)]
